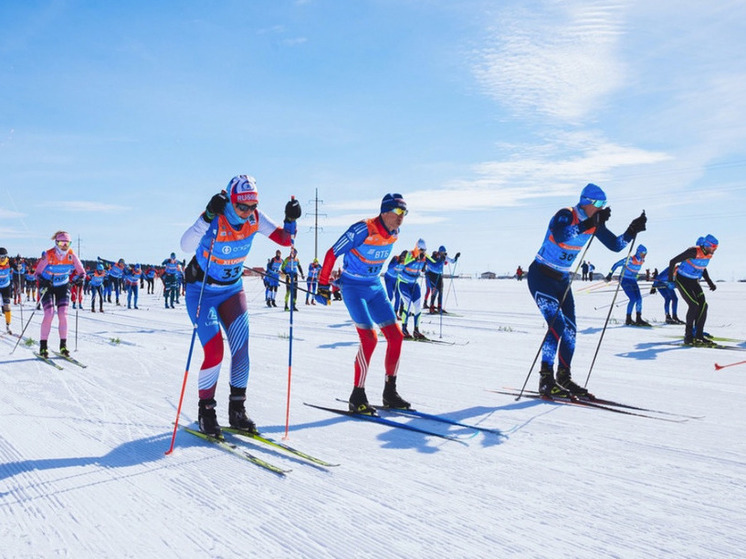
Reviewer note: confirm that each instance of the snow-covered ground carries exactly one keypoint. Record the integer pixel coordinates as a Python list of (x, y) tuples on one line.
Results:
[(83, 471)]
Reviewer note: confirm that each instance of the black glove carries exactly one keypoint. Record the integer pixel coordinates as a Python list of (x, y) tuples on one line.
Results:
[(456, 257), (599, 218), (637, 225), (323, 295), (292, 210), (608, 277), (713, 287), (652, 290), (78, 282), (45, 283), (215, 206)]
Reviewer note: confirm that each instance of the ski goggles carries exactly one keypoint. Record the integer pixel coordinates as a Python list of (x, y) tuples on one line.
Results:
[(245, 207), (597, 203), (64, 245), (400, 211)]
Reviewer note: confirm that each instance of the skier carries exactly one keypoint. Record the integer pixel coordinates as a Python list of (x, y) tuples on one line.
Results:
[(272, 279), (312, 281), (132, 280), (409, 287), (693, 267), (434, 277), (221, 239), (549, 277), (53, 272), (96, 283), (170, 279), (366, 245), (291, 268), (19, 278), (630, 271), (5, 284), (671, 301)]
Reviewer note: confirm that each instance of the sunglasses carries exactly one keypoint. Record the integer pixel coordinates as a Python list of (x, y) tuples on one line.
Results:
[(245, 207), (400, 211), (598, 203), (63, 244)]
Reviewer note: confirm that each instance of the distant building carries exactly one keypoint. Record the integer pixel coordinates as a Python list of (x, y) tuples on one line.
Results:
[(488, 275)]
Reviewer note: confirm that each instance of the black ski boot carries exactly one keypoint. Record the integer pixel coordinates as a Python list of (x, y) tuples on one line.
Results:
[(237, 411), (677, 320), (391, 398), (564, 380), (405, 332), (63, 348), (629, 321), (358, 402), (640, 322), (208, 419), (274, 304), (670, 320), (547, 387), (43, 351)]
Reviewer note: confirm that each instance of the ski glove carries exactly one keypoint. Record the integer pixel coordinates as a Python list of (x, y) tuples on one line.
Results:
[(292, 210), (652, 290), (713, 287), (323, 295), (608, 277), (637, 225), (602, 216), (457, 255), (215, 206)]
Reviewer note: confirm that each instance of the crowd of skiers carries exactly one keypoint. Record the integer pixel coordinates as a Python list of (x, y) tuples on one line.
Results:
[(221, 238)]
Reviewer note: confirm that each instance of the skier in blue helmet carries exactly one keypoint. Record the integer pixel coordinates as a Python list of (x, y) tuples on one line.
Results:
[(628, 280), (693, 267), (550, 274)]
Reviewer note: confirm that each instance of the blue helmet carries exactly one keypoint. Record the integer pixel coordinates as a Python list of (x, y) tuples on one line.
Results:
[(592, 193), (100, 267), (709, 242), (442, 249), (641, 250)]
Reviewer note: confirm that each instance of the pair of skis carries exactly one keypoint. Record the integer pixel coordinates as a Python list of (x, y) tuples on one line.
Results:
[(50, 361), (263, 442), (411, 413), (604, 404)]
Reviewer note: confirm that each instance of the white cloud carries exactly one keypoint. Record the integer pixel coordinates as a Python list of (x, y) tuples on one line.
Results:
[(558, 59), (84, 206)]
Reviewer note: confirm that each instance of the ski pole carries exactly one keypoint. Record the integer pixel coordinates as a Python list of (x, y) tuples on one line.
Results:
[(611, 308), (451, 285), (293, 294), (191, 345), (554, 318), (718, 367), (41, 294)]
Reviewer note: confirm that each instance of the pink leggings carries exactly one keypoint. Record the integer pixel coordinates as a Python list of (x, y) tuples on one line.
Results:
[(48, 302)]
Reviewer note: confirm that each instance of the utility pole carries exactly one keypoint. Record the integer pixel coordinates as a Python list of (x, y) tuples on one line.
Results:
[(316, 215)]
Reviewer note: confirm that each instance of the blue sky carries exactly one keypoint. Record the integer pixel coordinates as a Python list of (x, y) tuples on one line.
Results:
[(119, 121)]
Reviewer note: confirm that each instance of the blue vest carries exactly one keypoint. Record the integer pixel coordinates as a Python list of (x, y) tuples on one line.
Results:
[(693, 268), (366, 260), (560, 256)]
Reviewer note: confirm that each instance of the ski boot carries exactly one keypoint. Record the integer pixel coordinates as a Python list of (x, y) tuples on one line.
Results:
[(43, 350), (670, 320), (274, 304), (564, 380), (677, 320), (407, 335), (358, 402), (237, 411), (417, 335), (208, 419), (703, 342), (629, 321), (640, 322), (549, 389), (63, 348), (391, 398), (269, 303)]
